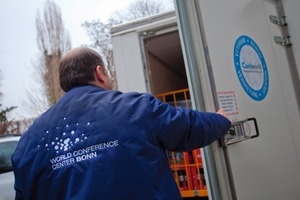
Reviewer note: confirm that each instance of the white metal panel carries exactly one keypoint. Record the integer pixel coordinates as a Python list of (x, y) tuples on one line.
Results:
[(292, 13), (129, 55), (128, 62), (145, 24), (284, 76), (266, 167)]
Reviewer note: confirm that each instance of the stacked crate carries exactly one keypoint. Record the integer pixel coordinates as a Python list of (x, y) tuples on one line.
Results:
[(187, 167)]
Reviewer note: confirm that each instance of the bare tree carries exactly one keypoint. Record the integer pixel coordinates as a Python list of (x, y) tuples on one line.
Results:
[(4, 122), (144, 8), (53, 42), (99, 32), (1, 94)]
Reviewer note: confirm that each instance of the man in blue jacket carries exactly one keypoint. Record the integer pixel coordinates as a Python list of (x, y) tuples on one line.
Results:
[(97, 143)]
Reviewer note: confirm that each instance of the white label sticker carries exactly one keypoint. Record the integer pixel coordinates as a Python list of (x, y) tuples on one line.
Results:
[(227, 101)]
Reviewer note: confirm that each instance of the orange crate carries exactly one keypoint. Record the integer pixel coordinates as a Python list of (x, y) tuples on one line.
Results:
[(186, 166)]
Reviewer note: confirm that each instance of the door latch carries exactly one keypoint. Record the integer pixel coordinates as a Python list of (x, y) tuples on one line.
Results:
[(241, 130)]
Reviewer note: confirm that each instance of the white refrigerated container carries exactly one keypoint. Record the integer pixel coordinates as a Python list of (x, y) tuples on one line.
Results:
[(243, 56)]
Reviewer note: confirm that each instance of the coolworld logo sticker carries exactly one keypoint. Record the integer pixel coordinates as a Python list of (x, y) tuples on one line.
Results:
[(251, 68)]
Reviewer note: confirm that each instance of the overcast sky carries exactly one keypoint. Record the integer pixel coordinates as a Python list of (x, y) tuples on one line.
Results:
[(18, 47)]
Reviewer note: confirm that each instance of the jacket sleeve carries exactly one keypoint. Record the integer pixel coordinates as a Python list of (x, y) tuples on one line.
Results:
[(16, 159), (19, 195), (182, 129)]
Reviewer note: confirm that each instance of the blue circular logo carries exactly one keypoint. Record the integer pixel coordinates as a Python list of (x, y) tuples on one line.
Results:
[(251, 68)]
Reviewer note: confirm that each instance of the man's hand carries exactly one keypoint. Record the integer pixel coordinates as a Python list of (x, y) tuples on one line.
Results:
[(222, 112)]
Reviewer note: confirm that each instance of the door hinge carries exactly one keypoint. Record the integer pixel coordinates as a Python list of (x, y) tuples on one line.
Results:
[(148, 33), (284, 41), (278, 20)]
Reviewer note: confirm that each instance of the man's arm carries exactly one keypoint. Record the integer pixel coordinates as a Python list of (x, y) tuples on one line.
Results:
[(182, 129)]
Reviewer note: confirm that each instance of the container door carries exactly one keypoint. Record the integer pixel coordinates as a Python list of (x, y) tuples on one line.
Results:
[(236, 53)]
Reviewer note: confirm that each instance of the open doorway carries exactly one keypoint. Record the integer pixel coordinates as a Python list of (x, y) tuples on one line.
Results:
[(165, 63), (168, 82)]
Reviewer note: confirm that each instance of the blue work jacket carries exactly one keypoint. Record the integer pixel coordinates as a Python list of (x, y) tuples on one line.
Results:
[(105, 144)]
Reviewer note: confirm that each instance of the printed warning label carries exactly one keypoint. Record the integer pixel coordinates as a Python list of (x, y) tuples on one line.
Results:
[(227, 101)]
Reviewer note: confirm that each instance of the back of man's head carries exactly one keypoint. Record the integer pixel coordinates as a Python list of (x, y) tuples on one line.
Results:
[(77, 67)]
